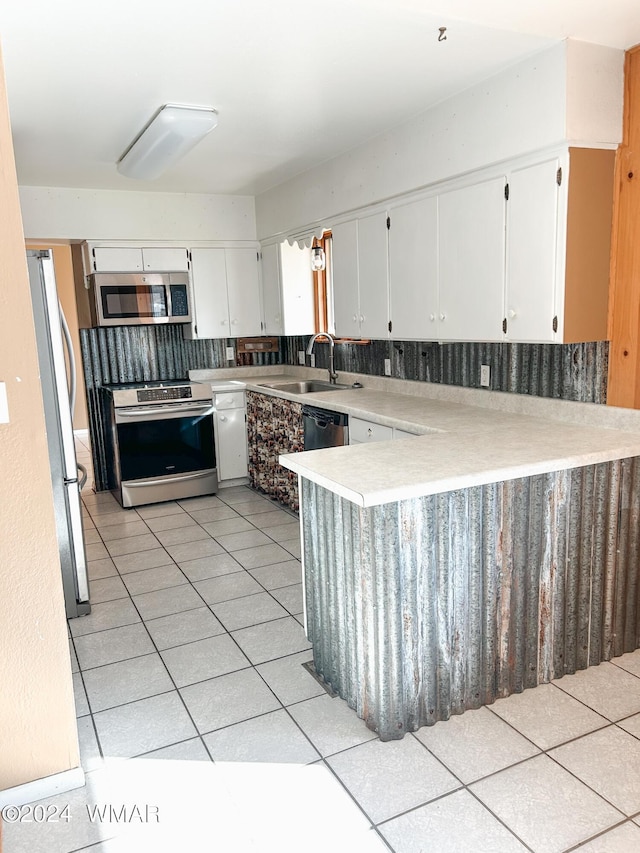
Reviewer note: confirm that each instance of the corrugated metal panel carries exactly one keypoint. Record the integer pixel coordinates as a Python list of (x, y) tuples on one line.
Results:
[(564, 371), (431, 606)]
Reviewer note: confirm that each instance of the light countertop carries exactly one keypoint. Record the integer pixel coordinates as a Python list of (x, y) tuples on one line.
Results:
[(457, 444)]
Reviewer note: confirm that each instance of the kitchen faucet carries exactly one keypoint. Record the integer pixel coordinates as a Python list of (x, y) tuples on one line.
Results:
[(332, 374)]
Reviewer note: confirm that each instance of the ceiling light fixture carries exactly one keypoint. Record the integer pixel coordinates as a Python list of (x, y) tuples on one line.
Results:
[(172, 132)]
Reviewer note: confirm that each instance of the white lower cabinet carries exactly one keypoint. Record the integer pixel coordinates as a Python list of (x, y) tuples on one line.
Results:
[(230, 430), (363, 432), (226, 293), (402, 433)]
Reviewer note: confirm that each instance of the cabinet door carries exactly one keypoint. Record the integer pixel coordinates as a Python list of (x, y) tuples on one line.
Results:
[(209, 280), (471, 244), (165, 259), (344, 279), (231, 444), (107, 259), (532, 222), (373, 280), (413, 270), (243, 290), (271, 305), (297, 290), (363, 432)]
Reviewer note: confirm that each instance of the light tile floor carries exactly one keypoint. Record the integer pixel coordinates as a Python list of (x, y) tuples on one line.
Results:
[(192, 698)]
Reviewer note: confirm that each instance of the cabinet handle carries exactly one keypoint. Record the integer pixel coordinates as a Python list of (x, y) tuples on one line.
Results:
[(512, 314), (355, 318), (222, 417), (234, 322), (432, 317), (443, 316), (362, 318), (369, 432)]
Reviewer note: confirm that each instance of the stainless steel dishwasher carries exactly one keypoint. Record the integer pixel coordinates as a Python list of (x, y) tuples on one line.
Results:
[(323, 428)]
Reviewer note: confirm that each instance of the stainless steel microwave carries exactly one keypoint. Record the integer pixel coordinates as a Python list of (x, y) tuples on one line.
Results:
[(128, 299)]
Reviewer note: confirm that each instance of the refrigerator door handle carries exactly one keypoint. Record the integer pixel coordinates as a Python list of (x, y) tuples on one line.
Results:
[(70, 359)]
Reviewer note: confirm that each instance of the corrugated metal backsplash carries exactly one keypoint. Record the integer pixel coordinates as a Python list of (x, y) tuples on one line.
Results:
[(565, 371)]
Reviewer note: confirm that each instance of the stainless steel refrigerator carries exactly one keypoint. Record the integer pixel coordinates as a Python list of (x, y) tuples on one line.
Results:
[(58, 381)]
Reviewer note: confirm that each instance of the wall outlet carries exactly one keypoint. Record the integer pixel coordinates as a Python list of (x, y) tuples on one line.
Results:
[(231, 354), (387, 367), (485, 375), (301, 355), (312, 359)]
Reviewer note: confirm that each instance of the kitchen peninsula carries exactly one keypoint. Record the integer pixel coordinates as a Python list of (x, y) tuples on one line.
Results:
[(495, 550)]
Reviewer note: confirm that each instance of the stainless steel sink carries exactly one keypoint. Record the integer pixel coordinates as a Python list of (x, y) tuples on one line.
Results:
[(310, 386)]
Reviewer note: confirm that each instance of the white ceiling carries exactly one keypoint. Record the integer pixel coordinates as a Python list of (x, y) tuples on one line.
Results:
[(295, 82)]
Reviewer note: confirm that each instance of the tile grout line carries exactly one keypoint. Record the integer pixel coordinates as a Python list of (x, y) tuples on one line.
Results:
[(608, 723)]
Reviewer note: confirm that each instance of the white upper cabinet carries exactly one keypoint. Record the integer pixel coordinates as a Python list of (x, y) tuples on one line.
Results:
[(559, 217), (165, 258), (531, 251), (271, 291), (360, 285), (138, 259), (287, 290), (373, 283), (226, 297), (210, 303), (243, 291), (413, 270), (471, 249), (344, 254)]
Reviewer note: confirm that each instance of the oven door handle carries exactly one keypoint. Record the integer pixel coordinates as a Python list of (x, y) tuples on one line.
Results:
[(162, 412), (132, 484)]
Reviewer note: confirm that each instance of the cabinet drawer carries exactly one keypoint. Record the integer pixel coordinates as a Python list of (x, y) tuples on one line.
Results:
[(362, 431), (229, 400), (402, 433)]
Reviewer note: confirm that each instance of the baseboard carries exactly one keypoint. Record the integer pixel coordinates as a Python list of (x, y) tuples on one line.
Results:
[(58, 783), (238, 481)]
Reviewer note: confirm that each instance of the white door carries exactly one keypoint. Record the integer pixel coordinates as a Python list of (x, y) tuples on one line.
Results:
[(231, 442), (344, 279), (209, 280), (471, 247), (108, 259), (243, 290), (532, 222), (271, 304), (165, 259), (413, 270), (373, 276)]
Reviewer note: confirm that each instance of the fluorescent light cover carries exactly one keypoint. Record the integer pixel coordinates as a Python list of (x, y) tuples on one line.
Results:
[(172, 132)]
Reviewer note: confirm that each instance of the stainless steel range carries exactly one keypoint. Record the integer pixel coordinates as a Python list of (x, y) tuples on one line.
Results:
[(160, 445)]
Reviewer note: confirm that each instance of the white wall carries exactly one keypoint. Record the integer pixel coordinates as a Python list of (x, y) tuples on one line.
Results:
[(59, 213), (595, 93), (520, 110)]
